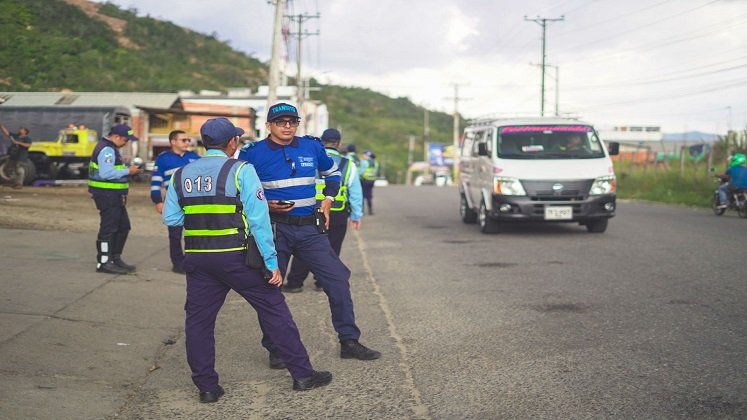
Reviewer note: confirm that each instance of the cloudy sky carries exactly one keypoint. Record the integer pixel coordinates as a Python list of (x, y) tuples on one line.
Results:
[(678, 64)]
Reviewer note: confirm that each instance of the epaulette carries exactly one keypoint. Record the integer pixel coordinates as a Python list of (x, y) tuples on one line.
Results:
[(248, 145), (310, 137)]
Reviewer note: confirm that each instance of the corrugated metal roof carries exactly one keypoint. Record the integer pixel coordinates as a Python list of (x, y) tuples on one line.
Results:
[(127, 99)]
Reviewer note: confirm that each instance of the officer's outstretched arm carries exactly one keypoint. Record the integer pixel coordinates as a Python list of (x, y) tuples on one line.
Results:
[(173, 214)]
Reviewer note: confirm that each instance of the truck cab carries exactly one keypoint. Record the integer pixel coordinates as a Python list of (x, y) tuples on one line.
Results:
[(65, 157)]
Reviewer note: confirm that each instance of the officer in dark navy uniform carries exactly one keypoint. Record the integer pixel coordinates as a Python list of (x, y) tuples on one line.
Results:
[(288, 166), (108, 183), (166, 164), (220, 202), (348, 204)]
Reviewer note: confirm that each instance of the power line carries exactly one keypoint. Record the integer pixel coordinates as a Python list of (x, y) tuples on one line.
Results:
[(657, 22), (614, 19)]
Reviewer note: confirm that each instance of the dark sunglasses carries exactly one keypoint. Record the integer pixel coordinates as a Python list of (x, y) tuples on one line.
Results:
[(283, 123)]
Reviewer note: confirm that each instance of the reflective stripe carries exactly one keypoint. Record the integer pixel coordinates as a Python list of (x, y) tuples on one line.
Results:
[(95, 165), (156, 178), (290, 182), (210, 232), (155, 188), (108, 185), (215, 250), (305, 202), (170, 171), (166, 183), (210, 209), (330, 171)]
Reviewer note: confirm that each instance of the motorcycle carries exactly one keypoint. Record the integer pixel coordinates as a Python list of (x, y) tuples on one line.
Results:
[(737, 200)]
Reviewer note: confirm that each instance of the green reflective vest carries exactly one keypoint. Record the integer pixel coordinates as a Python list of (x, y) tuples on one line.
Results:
[(341, 199)]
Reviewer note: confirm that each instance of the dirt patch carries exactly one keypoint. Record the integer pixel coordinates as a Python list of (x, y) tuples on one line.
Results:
[(70, 209), (117, 25)]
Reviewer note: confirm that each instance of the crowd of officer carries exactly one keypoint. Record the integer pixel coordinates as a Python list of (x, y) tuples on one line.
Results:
[(284, 197)]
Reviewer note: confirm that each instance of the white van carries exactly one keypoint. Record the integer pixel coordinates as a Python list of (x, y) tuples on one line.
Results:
[(536, 169)]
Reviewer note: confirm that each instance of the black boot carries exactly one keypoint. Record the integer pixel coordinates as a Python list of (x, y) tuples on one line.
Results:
[(104, 261), (352, 349), (118, 244)]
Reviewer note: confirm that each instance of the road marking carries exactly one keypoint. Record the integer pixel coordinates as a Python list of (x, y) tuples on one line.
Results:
[(420, 410)]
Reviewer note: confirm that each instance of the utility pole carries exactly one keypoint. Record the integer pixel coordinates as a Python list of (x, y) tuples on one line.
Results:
[(543, 22), (276, 47), (426, 137), (557, 86), (300, 91), (455, 130)]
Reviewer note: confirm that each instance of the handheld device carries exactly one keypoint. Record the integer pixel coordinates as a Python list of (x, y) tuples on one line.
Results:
[(286, 203)]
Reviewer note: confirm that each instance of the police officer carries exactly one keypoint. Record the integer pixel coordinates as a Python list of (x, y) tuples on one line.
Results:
[(166, 164), (348, 203), (220, 201), (352, 155), (287, 166), (108, 183), (369, 173)]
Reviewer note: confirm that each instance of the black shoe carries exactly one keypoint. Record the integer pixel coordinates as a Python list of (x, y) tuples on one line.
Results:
[(316, 379), (352, 349), (287, 289), (178, 270), (212, 396), (121, 264), (276, 362), (110, 268)]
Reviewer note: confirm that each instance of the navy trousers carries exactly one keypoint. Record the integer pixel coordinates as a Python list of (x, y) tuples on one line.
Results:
[(313, 248), (175, 245), (114, 219), (209, 278), (368, 187), (338, 227)]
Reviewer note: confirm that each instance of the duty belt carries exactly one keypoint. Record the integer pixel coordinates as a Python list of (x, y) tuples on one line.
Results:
[(293, 220)]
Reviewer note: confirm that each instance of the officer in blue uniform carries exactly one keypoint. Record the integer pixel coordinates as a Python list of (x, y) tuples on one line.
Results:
[(108, 183), (220, 202), (348, 203), (166, 164), (287, 166)]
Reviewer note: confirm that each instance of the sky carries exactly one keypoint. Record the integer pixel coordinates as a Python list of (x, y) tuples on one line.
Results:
[(677, 64)]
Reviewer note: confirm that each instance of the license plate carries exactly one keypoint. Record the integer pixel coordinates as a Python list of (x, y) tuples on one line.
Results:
[(558, 213)]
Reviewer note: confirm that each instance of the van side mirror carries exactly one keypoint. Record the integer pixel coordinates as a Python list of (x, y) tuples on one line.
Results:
[(613, 148), (482, 149)]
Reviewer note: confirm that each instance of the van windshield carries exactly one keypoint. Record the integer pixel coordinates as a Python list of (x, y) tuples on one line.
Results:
[(548, 142)]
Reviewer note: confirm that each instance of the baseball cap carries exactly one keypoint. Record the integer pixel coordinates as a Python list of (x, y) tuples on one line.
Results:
[(217, 131), (123, 130), (282, 110), (351, 148), (331, 135)]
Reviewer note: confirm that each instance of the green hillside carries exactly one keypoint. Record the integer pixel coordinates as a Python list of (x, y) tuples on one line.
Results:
[(50, 45)]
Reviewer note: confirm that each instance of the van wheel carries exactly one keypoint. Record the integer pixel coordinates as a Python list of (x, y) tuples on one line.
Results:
[(487, 225), (468, 215), (597, 226)]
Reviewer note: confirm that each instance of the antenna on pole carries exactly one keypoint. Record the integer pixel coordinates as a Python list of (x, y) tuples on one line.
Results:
[(543, 23), (300, 90)]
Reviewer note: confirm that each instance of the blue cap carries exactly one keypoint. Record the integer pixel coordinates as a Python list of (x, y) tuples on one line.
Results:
[(282, 110), (331, 135), (217, 131), (351, 148), (123, 130)]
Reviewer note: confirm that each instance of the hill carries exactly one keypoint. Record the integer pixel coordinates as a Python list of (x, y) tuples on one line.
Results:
[(50, 45)]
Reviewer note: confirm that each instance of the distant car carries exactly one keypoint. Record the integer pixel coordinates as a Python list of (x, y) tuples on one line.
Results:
[(536, 169)]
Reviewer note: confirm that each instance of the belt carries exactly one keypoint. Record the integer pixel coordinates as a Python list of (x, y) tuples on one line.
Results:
[(293, 220)]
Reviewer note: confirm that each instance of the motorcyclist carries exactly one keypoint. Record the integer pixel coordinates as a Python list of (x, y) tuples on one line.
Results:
[(737, 178)]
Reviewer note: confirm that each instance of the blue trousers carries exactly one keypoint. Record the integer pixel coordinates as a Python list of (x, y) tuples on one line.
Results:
[(338, 227), (209, 278), (313, 248), (175, 245)]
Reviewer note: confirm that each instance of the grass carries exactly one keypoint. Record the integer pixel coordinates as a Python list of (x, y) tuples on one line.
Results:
[(665, 184)]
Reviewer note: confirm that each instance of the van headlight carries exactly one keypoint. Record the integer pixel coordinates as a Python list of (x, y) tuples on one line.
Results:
[(507, 186), (604, 185)]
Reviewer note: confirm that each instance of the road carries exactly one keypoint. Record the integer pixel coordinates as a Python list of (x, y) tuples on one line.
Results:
[(647, 320)]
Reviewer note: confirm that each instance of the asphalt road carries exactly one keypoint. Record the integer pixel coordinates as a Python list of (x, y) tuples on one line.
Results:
[(647, 320)]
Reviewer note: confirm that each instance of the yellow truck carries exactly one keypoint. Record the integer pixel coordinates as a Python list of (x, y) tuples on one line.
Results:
[(57, 152)]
